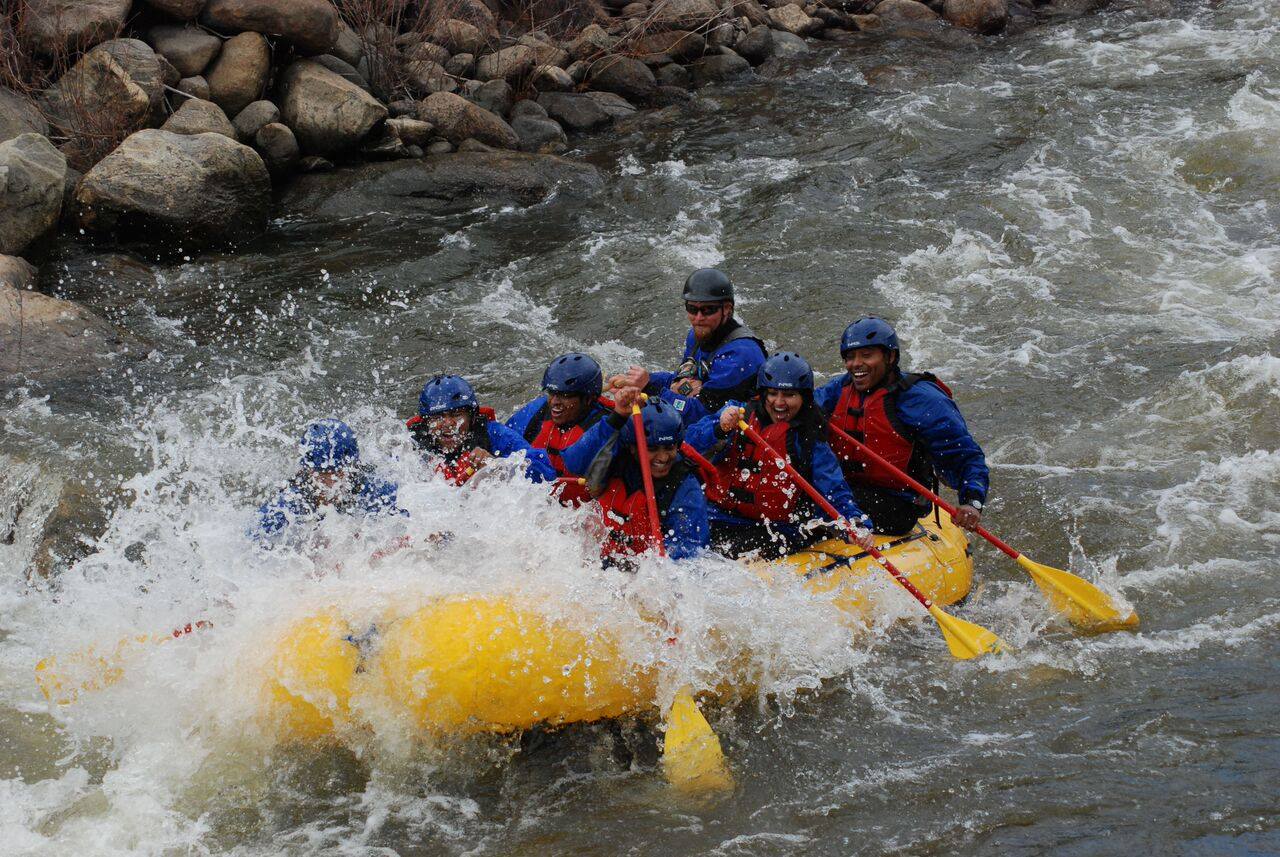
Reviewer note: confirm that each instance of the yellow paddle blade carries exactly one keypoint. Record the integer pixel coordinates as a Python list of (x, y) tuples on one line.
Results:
[(1087, 606), (965, 639), (63, 679), (692, 759)]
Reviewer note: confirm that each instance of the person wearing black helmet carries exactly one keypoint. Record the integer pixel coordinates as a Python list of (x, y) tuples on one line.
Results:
[(909, 419), (556, 420), (721, 354), (756, 506)]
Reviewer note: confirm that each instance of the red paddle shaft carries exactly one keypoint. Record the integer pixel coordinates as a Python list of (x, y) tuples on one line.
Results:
[(642, 452), (947, 507), (831, 510)]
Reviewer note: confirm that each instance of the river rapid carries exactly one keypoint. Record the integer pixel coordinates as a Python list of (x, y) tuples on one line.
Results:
[(1077, 227)]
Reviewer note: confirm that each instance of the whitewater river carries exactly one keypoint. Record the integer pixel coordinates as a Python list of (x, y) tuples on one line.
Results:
[(1078, 227)]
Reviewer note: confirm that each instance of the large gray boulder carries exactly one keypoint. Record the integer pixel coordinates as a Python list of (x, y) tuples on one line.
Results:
[(457, 119), (250, 120), (460, 37), (719, 67), (423, 184), (239, 74), (981, 16), (792, 19), (183, 10), (32, 175), (142, 65), (189, 48), (509, 64), (19, 115), (201, 189), (200, 117), (540, 135), (310, 25), (624, 76), (686, 14), (278, 147), (97, 94), (328, 114), (43, 338), (574, 111), (58, 26)]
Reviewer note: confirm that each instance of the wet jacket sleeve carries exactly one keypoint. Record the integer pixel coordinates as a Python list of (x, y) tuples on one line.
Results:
[(519, 421), (705, 435), (273, 516), (829, 480), (936, 418), (591, 456), (506, 443), (686, 531), (734, 364), (380, 497), (826, 396)]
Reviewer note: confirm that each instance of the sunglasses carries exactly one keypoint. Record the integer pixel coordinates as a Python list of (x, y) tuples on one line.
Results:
[(703, 309)]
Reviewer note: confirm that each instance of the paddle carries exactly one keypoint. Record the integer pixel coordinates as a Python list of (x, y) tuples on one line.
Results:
[(964, 639), (1085, 605), (692, 758)]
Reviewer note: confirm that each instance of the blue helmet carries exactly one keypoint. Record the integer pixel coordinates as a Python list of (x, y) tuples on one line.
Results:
[(785, 370), (868, 331), (662, 425), (446, 393), (328, 445), (574, 373)]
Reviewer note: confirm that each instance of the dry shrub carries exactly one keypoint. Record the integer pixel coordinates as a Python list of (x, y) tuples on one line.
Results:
[(382, 26), (563, 19)]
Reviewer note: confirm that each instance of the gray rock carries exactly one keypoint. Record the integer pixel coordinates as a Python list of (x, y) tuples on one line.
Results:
[(671, 46), (550, 78), (59, 26), (904, 11), (789, 46), (457, 119), (574, 111), (250, 120), (44, 338), (183, 10), (97, 92), (413, 185), (200, 117), (460, 37), (440, 147), (792, 19), (461, 65), (19, 115), (144, 67), (545, 51), (415, 151), (411, 132), (195, 87), (310, 25), (343, 70), (981, 16), (756, 46), (528, 109), (32, 174), (615, 105), (592, 43), (509, 64), (421, 51), (239, 74), (471, 144), (634, 10), (719, 67), (686, 14), (579, 71), (329, 115), (202, 189), (540, 135), (673, 75), (189, 48), (427, 77), (722, 35), (402, 107), (348, 47), (495, 96), (623, 76)]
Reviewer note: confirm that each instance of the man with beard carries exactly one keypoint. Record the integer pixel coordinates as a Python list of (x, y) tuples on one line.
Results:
[(458, 437), (721, 354)]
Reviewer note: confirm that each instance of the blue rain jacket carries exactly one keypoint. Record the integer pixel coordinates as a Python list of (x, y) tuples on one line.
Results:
[(374, 496), (732, 367), (507, 442)]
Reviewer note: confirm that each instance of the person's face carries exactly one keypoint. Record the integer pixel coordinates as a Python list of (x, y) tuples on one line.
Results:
[(867, 366), (661, 460), (566, 408), (330, 485), (783, 405), (706, 318), (449, 428)]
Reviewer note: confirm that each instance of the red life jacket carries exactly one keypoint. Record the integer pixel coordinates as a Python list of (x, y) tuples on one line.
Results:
[(873, 419), (625, 512), (543, 433), (751, 481), (459, 468)]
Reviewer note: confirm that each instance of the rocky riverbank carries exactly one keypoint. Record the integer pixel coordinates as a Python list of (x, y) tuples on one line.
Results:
[(178, 123)]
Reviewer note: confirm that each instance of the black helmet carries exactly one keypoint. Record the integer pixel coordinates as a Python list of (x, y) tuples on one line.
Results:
[(708, 284)]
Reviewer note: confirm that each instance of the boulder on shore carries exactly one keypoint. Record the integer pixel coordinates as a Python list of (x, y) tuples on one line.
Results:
[(183, 10), (624, 76), (201, 189), (96, 95), (981, 16), (424, 184), (53, 27), (329, 114), (278, 147), (457, 119), (509, 64), (46, 339), (792, 19), (239, 74), (310, 25), (200, 117), (686, 14), (32, 177), (249, 121), (904, 12), (19, 115), (459, 37), (189, 48)]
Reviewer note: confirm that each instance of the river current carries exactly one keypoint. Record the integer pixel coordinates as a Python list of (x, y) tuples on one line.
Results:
[(1078, 227)]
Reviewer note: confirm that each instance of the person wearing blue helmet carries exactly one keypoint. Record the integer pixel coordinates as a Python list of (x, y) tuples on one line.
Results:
[(457, 436), (909, 419), (756, 506), (722, 356), (608, 455), (330, 477), (558, 419)]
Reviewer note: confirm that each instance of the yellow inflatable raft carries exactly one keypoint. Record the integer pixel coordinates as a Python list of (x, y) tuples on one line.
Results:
[(469, 665)]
